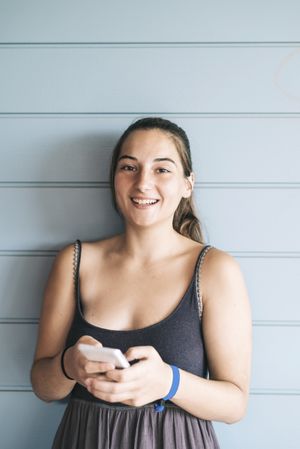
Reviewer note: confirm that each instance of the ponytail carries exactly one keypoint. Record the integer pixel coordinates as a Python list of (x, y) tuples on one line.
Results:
[(186, 222)]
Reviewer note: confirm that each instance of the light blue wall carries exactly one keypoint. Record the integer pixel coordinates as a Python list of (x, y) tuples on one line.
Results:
[(73, 76)]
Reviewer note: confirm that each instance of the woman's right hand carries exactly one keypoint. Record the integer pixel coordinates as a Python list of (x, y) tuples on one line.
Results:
[(79, 367)]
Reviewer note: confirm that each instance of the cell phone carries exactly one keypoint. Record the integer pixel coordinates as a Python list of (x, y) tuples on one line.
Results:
[(110, 355)]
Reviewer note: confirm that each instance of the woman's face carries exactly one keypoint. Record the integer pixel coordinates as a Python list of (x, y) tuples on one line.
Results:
[(149, 178)]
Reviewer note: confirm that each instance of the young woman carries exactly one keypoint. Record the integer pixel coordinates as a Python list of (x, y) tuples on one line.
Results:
[(177, 308)]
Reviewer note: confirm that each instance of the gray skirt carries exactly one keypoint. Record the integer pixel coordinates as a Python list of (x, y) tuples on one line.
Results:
[(92, 425)]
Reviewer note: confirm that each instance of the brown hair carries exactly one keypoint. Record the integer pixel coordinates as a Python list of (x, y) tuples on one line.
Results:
[(185, 220)]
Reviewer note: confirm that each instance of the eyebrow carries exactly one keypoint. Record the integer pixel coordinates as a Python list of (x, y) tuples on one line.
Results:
[(158, 159)]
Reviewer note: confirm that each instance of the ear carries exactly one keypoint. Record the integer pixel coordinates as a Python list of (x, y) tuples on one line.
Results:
[(189, 185)]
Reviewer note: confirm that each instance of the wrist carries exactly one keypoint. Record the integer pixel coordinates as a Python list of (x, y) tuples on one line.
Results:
[(167, 380)]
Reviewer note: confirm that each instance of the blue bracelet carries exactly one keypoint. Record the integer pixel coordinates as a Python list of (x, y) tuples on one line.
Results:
[(159, 406)]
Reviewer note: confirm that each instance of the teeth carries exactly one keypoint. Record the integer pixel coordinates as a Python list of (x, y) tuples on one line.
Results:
[(138, 201)]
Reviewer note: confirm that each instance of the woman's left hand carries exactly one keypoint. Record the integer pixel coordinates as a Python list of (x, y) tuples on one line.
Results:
[(146, 381)]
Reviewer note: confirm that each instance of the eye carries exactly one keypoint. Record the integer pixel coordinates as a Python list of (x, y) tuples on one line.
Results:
[(128, 167), (163, 170)]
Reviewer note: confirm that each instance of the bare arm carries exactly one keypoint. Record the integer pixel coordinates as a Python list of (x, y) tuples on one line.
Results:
[(227, 335), (47, 378), (48, 381)]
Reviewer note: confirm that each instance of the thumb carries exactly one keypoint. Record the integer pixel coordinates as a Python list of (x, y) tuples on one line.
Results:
[(88, 340), (138, 353)]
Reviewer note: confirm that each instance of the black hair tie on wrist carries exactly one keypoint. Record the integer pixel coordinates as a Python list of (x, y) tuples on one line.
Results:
[(62, 364)]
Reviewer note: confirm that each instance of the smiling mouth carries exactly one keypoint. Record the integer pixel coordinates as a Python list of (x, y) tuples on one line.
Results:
[(144, 202)]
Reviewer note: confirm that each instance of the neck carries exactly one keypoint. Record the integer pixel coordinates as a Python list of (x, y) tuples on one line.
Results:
[(150, 244)]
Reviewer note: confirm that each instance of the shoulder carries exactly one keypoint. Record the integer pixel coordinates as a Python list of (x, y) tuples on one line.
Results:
[(218, 261), (64, 258), (93, 253), (220, 274), (89, 250)]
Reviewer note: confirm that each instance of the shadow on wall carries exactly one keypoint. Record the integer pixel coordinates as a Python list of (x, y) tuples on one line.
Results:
[(68, 197), (72, 198), (79, 204)]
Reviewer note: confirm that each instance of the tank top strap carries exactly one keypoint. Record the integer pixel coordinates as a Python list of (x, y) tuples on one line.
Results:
[(199, 264), (76, 264)]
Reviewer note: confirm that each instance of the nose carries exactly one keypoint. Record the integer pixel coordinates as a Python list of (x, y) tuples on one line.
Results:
[(144, 180)]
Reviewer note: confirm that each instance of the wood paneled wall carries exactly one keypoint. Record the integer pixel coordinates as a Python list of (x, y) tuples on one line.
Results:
[(73, 76)]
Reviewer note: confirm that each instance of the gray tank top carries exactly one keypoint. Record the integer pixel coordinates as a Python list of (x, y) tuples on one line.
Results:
[(178, 338)]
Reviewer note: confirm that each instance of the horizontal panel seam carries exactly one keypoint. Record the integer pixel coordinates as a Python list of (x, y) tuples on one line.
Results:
[(276, 323), (200, 114), (105, 184), (149, 44), (255, 323), (274, 392)]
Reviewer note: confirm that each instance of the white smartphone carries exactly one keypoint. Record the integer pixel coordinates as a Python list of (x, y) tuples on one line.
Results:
[(110, 355)]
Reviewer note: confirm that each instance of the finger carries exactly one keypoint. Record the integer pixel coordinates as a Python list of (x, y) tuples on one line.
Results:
[(94, 376), (108, 397), (98, 386), (97, 367), (130, 374), (119, 375), (139, 352)]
